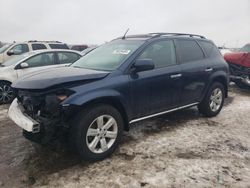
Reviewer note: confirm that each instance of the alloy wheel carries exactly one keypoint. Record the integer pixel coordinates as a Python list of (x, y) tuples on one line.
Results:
[(216, 99), (6, 93), (101, 134)]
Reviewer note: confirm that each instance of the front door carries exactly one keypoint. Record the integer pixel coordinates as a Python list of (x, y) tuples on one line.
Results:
[(156, 90)]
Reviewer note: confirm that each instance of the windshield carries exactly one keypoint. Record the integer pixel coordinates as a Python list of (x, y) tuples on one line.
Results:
[(4, 48), (109, 56), (245, 48), (14, 60)]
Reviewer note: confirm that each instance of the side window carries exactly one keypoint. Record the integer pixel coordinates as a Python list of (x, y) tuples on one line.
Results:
[(44, 59), (189, 50), (67, 57), (20, 49), (58, 46), (38, 46), (162, 53), (210, 49)]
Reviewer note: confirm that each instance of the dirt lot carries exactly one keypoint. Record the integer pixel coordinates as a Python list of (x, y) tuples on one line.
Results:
[(181, 149)]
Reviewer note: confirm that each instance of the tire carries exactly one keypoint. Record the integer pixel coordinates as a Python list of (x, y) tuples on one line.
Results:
[(89, 141), (7, 94), (241, 84), (209, 107)]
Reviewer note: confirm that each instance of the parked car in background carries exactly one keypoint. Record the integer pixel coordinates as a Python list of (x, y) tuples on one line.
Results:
[(79, 47), (239, 64), (11, 50), (1, 44), (224, 50), (121, 82), (87, 50), (30, 62)]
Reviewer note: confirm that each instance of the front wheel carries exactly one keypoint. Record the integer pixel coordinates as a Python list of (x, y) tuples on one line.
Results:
[(96, 132), (213, 101), (6, 93)]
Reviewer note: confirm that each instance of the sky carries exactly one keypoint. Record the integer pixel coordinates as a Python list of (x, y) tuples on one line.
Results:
[(226, 22)]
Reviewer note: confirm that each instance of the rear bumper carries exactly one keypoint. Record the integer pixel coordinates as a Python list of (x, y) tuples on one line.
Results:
[(16, 114)]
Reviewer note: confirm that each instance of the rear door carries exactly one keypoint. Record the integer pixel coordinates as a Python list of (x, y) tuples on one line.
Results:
[(156, 90), (195, 70)]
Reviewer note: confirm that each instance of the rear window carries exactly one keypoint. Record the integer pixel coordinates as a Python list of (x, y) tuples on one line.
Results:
[(38, 46), (58, 46), (189, 50), (79, 48), (210, 49)]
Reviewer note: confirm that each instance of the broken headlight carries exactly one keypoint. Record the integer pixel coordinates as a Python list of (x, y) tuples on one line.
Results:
[(53, 100)]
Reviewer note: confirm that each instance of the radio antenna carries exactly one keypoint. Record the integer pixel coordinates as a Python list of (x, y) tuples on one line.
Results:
[(124, 36)]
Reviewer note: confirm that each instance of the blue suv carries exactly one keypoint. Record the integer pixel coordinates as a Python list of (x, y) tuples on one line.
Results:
[(127, 80)]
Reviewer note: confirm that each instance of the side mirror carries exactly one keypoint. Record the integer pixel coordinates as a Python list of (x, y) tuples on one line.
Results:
[(10, 53), (24, 65), (143, 65)]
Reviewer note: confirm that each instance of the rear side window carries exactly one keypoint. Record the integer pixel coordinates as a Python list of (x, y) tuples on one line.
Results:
[(38, 46), (58, 46), (210, 49), (67, 57), (162, 53), (189, 50), (79, 48)]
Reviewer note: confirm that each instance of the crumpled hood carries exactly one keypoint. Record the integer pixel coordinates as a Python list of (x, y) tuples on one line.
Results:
[(57, 76)]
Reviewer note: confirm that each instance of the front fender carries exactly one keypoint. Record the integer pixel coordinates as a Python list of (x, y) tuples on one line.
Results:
[(86, 98)]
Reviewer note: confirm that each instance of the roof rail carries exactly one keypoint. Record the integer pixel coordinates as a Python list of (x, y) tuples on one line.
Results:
[(155, 35), (44, 41)]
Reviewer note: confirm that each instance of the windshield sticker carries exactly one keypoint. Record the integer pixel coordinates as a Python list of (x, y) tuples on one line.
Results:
[(122, 52)]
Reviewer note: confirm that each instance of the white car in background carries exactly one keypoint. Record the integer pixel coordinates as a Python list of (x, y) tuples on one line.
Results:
[(28, 63), (9, 51)]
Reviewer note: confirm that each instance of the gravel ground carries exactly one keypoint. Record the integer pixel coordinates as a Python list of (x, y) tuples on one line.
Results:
[(181, 149)]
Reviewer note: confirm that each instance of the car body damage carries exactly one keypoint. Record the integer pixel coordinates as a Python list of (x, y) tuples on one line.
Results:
[(57, 76), (239, 64), (40, 108)]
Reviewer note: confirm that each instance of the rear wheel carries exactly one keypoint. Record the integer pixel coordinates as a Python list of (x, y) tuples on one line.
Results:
[(214, 100), (6, 93), (96, 132)]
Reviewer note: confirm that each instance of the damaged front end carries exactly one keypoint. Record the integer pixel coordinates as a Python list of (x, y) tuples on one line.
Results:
[(45, 109), (239, 65), (239, 73)]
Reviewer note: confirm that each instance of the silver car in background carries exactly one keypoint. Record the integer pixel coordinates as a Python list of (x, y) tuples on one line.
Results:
[(29, 63)]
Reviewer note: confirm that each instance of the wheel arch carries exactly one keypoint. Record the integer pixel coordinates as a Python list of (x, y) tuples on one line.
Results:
[(113, 101), (6, 81), (223, 80)]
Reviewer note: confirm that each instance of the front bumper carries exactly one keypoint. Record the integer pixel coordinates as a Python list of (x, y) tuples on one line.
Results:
[(16, 114)]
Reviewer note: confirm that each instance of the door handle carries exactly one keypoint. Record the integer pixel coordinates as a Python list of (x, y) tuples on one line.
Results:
[(175, 75), (208, 69)]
